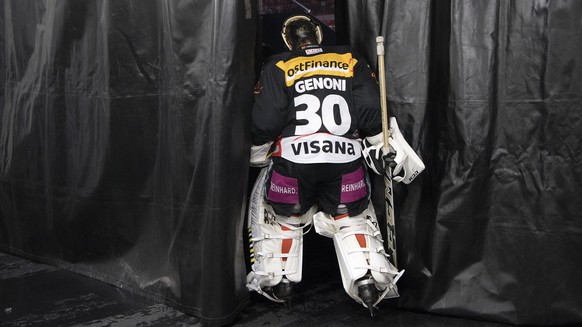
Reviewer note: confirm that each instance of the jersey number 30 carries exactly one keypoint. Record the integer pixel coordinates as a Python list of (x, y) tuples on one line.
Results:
[(315, 120)]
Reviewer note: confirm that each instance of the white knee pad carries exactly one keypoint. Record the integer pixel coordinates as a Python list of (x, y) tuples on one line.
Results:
[(276, 243), (360, 252)]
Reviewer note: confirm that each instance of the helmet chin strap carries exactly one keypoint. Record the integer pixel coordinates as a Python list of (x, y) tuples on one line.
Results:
[(304, 43)]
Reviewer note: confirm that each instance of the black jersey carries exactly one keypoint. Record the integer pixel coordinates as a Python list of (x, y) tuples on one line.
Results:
[(316, 103)]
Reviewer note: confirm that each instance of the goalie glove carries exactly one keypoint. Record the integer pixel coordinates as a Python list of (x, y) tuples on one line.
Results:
[(373, 151)]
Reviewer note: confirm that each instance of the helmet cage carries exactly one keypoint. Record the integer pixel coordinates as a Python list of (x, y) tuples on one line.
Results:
[(295, 18)]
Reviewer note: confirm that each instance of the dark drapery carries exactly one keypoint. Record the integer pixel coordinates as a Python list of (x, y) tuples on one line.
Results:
[(490, 94), (123, 143), (124, 147)]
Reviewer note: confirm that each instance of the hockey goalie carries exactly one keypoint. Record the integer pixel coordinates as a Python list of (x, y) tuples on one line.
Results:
[(316, 122)]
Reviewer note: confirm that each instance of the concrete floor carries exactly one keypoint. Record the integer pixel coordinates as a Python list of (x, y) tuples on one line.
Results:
[(34, 294)]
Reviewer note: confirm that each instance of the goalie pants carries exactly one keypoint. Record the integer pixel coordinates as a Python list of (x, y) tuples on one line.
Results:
[(292, 188)]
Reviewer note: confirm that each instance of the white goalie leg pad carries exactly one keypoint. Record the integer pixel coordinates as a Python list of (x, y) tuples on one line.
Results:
[(360, 252), (276, 243), (324, 224)]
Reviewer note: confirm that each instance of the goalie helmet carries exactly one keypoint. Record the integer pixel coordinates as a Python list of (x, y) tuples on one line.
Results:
[(300, 29)]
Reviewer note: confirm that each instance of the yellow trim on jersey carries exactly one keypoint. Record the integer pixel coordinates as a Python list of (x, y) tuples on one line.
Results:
[(329, 64)]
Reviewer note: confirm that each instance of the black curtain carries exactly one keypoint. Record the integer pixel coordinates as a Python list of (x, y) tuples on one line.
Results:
[(124, 143), (490, 94)]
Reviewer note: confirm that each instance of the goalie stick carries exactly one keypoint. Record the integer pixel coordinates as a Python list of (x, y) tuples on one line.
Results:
[(388, 190)]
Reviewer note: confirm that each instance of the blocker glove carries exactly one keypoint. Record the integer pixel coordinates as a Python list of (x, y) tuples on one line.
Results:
[(405, 165), (261, 155)]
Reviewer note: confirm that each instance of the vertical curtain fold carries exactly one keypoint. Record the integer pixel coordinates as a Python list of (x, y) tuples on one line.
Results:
[(124, 142), (486, 93)]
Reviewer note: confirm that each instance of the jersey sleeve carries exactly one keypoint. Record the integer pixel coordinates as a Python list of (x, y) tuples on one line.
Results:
[(270, 108), (366, 95)]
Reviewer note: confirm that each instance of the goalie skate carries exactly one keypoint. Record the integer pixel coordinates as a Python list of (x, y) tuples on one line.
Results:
[(367, 275)]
